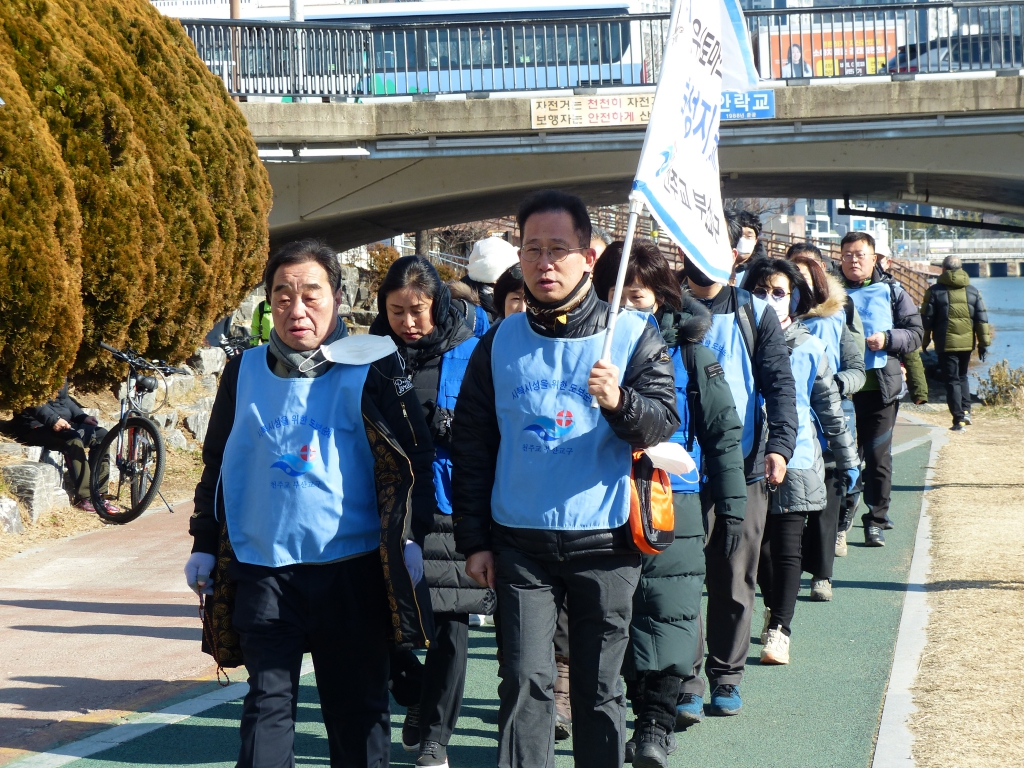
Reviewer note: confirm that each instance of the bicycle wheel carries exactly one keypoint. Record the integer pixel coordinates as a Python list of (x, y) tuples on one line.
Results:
[(140, 458)]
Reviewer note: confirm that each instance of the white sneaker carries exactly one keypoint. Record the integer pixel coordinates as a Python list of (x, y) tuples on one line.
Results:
[(477, 619), (776, 649), (821, 590), (841, 544), (764, 629)]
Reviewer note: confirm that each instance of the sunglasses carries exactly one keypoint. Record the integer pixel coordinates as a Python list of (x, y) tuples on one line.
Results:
[(777, 293)]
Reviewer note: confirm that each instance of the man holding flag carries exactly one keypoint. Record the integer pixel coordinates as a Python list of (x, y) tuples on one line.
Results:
[(541, 484)]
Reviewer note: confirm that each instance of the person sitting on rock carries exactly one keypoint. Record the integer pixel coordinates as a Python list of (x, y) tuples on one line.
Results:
[(61, 425)]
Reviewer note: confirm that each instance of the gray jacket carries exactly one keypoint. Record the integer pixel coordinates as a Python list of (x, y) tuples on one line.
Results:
[(850, 376), (803, 490)]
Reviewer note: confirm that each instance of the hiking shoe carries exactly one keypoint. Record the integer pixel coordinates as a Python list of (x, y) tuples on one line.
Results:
[(689, 710), (725, 700), (411, 728), (821, 590), (654, 745), (967, 418), (776, 650), (563, 711), (873, 536), (631, 746), (764, 627), (432, 754), (957, 427), (841, 549), (86, 505)]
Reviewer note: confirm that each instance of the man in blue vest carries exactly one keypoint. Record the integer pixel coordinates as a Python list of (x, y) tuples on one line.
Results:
[(892, 327), (541, 485), (751, 348), (317, 535)]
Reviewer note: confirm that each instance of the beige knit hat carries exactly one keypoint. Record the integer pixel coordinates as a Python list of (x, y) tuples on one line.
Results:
[(489, 258)]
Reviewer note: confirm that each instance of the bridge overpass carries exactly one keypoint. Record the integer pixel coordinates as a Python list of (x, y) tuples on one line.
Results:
[(981, 257), (919, 102), (357, 172)]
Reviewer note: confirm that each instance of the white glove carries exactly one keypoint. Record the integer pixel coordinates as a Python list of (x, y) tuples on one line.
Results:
[(414, 561), (197, 572)]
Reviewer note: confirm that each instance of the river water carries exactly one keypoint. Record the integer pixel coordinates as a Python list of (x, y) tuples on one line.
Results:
[(1004, 299)]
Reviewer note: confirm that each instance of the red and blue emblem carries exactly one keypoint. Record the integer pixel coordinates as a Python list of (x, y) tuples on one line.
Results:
[(549, 430), (296, 466)]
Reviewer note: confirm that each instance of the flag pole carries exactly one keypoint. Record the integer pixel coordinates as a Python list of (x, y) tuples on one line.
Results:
[(635, 206)]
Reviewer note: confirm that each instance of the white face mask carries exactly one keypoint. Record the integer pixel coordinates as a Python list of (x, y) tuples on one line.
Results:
[(745, 246), (645, 310), (355, 350)]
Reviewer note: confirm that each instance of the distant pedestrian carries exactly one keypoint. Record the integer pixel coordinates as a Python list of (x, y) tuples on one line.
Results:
[(955, 318), (541, 485), (262, 322), (489, 258), (892, 326)]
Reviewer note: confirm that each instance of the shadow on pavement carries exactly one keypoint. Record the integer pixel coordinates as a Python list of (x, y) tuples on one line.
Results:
[(120, 609)]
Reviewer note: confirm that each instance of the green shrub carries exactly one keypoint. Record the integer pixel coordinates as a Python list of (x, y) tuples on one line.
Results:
[(172, 196), (40, 252), (1004, 386)]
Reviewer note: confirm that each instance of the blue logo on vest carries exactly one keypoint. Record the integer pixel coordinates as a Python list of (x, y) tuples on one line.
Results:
[(296, 466), (549, 429)]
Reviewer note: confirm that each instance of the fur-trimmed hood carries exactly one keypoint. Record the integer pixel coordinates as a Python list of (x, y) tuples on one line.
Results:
[(686, 325), (833, 305)]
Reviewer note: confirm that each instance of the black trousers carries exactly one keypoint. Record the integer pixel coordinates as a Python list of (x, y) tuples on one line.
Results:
[(598, 593), (780, 568), (875, 422), (958, 389), (339, 613), (444, 677), (819, 541), (72, 443)]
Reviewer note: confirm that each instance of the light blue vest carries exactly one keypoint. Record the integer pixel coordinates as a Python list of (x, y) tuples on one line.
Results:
[(726, 341), (483, 322), (685, 434), (297, 471), (804, 361), (874, 302), (830, 331), (453, 371), (560, 466)]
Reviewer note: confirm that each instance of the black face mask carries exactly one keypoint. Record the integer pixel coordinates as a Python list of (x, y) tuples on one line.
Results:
[(695, 276)]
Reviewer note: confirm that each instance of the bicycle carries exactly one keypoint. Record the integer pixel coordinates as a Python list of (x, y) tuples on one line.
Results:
[(139, 452), (235, 345)]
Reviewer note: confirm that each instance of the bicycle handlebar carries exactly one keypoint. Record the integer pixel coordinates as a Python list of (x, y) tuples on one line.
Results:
[(136, 360)]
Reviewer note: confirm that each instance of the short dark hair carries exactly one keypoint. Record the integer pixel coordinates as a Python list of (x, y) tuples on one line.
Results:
[(550, 200), (647, 266), (804, 249), (857, 237), (510, 280), (750, 219), (299, 252), (599, 233), (414, 272), (819, 279), (734, 228), (761, 269)]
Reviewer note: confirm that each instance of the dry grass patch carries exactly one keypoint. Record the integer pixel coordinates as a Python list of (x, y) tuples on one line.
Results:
[(970, 688)]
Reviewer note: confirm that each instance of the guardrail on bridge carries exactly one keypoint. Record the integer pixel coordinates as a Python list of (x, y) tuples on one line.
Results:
[(345, 60)]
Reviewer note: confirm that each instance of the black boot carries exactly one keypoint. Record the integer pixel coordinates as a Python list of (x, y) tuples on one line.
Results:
[(654, 746)]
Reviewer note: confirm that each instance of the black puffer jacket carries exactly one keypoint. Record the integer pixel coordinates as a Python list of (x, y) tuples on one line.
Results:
[(46, 415), (647, 417), (451, 590)]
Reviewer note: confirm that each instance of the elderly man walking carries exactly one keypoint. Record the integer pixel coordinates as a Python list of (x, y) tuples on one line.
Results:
[(954, 315), (541, 485), (316, 495)]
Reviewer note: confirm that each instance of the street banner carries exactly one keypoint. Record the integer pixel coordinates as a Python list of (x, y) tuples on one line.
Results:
[(678, 176)]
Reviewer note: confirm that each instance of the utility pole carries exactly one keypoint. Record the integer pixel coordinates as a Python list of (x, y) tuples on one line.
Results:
[(295, 10)]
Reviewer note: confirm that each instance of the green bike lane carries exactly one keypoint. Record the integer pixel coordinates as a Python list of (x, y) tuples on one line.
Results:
[(821, 710)]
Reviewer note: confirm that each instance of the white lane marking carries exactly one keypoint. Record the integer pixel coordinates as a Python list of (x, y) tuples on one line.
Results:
[(894, 746), (121, 734)]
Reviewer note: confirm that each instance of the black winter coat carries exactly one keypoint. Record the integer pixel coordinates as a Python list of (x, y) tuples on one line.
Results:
[(46, 415), (451, 590), (647, 417)]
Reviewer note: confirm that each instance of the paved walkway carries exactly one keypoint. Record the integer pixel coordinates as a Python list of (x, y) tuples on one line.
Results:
[(822, 710)]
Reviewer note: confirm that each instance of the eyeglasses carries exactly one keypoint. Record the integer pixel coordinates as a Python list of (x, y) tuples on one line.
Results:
[(532, 253), (777, 293), (857, 256)]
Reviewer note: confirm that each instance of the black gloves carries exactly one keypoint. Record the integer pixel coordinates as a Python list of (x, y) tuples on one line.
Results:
[(727, 533), (441, 425), (982, 353)]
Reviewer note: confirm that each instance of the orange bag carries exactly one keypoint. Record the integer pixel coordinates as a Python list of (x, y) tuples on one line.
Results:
[(652, 515)]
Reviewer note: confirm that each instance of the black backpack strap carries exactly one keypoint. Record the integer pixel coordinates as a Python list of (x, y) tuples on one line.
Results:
[(692, 390), (748, 324)]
